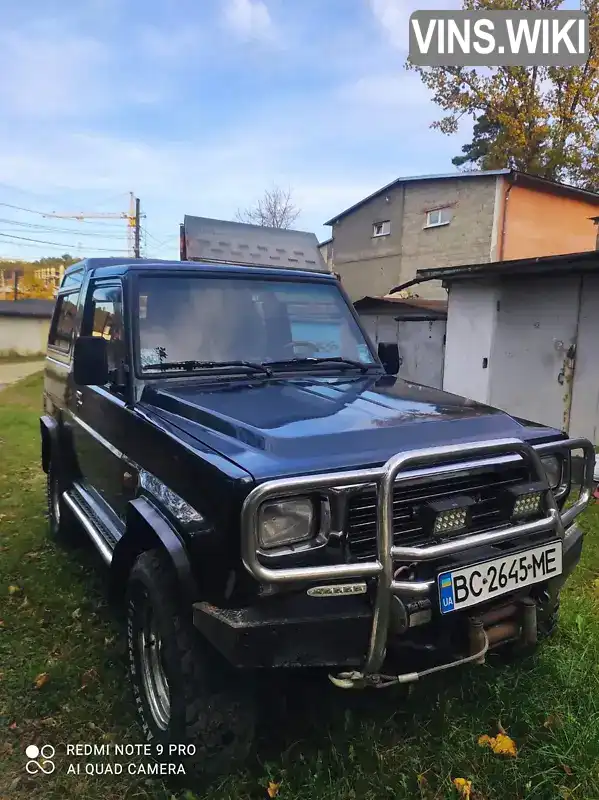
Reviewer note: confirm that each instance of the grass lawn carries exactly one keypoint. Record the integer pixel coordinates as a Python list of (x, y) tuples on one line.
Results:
[(329, 745)]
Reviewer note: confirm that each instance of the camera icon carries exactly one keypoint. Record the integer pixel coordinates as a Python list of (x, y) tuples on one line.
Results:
[(40, 759)]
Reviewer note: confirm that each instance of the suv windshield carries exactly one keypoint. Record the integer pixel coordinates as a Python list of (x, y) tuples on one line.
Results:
[(212, 319)]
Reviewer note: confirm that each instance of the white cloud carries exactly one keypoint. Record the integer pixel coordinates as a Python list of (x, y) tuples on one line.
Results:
[(44, 72), (50, 72), (170, 43), (391, 90), (249, 19), (394, 16)]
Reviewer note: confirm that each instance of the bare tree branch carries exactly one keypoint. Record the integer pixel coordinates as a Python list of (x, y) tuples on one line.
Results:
[(275, 209)]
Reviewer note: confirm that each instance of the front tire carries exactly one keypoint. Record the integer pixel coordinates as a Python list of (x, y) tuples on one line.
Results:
[(180, 685)]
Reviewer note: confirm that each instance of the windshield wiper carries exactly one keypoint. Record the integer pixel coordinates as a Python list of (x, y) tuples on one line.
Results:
[(347, 362), (191, 365)]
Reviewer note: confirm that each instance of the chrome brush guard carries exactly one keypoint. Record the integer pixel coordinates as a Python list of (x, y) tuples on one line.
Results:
[(397, 470)]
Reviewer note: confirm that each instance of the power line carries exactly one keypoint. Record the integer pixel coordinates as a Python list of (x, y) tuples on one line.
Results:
[(20, 208), (47, 229), (57, 244)]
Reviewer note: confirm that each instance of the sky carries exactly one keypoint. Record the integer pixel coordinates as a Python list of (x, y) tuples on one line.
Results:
[(197, 106)]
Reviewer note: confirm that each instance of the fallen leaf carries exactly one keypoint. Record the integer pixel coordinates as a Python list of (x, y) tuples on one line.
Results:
[(567, 769), (463, 787), (14, 589), (553, 721), (41, 680), (76, 613), (501, 744), (13, 726), (273, 789), (90, 676), (422, 781)]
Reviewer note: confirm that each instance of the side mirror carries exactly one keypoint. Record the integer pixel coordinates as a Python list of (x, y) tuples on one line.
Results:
[(389, 356), (90, 361)]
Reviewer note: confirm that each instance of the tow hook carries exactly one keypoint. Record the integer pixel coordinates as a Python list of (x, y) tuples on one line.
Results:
[(514, 622)]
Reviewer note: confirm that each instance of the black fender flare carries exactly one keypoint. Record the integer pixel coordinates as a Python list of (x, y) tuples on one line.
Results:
[(148, 528), (49, 432)]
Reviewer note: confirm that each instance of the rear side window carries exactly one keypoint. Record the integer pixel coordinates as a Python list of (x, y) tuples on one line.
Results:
[(63, 322)]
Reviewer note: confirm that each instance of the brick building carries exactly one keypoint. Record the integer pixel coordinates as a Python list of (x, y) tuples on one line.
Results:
[(460, 218)]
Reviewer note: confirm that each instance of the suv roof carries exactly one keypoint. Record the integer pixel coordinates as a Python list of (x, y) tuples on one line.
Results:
[(117, 264)]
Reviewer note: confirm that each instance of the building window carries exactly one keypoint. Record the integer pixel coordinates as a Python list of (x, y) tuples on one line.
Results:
[(381, 228), (440, 216)]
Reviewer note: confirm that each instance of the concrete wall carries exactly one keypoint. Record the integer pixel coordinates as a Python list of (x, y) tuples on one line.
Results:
[(372, 265), (467, 238), (471, 317), (23, 335), (542, 224)]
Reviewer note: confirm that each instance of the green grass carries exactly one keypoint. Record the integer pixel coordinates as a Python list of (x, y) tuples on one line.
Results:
[(327, 745)]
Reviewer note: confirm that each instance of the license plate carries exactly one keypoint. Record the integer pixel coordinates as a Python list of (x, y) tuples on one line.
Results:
[(479, 583)]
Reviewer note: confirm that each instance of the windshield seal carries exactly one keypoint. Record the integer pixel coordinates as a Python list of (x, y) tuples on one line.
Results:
[(230, 371)]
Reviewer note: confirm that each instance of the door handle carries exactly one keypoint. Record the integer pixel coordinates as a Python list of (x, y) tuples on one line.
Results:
[(78, 398)]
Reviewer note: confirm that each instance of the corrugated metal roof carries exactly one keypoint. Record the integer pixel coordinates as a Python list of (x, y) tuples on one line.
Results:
[(216, 240), (568, 263)]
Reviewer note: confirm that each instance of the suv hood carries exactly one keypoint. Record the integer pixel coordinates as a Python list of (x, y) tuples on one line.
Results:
[(302, 425)]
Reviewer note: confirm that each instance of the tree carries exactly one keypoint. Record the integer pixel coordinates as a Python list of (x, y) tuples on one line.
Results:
[(32, 285), (275, 209), (542, 120), (477, 153)]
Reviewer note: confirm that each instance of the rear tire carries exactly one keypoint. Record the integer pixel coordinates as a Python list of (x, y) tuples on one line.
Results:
[(185, 694)]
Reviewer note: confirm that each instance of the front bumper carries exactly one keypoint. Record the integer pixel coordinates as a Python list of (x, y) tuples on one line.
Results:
[(298, 630)]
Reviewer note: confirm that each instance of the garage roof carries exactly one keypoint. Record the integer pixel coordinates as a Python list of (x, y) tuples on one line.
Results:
[(566, 264), (39, 308)]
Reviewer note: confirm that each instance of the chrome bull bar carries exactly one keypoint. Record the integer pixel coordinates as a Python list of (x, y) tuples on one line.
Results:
[(397, 470)]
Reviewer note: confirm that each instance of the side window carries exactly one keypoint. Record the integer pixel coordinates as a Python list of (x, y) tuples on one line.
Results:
[(105, 318), (63, 322)]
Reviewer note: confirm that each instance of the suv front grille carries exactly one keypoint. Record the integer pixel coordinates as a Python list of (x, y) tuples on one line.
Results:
[(408, 500)]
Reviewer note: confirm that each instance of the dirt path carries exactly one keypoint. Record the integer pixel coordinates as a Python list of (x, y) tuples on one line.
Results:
[(9, 373)]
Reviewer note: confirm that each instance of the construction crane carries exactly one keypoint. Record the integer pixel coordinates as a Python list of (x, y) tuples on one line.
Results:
[(133, 217)]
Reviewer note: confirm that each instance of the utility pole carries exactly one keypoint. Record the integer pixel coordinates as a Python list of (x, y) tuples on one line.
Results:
[(16, 285), (137, 232)]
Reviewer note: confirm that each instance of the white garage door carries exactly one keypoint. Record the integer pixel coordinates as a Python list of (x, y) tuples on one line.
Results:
[(536, 324)]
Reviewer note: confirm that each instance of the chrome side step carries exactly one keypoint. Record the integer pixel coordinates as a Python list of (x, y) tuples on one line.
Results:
[(92, 531)]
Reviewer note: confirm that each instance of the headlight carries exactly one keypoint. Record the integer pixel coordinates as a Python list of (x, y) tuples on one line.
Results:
[(553, 470), (284, 522)]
